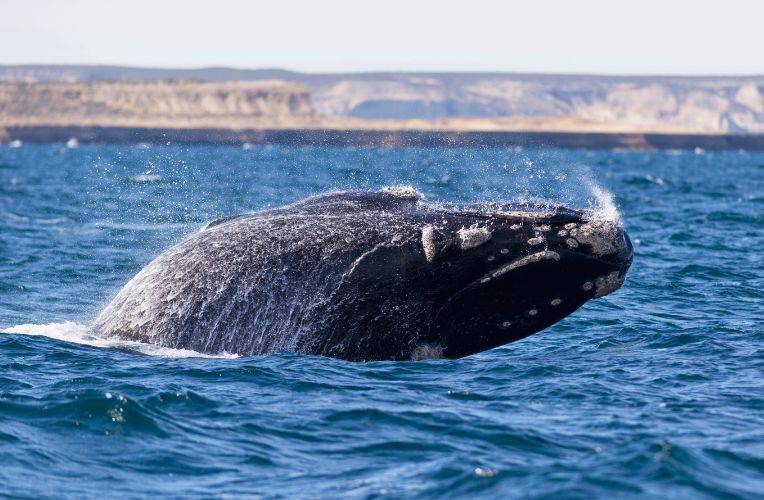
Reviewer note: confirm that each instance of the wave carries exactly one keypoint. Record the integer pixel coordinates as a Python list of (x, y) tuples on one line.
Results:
[(75, 333)]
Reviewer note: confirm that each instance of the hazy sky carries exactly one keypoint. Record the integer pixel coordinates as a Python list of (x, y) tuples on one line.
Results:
[(573, 36)]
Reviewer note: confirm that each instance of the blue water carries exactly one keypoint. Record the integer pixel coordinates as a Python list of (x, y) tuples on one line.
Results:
[(656, 390)]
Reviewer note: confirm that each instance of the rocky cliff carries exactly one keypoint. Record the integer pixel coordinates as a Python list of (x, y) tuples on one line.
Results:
[(703, 105), (451, 101), (153, 103)]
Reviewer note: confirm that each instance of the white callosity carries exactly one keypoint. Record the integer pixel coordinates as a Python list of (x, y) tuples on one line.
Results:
[(403, 191), (428, 243), (608, 283), (473, 236), (536, 240), (601, 235)]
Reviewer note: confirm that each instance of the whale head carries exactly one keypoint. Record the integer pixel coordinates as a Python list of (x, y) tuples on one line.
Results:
[(510, 272)]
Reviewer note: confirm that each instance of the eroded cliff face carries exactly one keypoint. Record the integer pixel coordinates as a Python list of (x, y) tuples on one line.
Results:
[(703, 105), (237, 98), (160, 103)]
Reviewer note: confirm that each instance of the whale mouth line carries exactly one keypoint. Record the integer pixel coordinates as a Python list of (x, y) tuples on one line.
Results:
[(504, 270), (520, 263), (614, 261)]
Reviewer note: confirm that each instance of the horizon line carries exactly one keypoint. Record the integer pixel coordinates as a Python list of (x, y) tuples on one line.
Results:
[(385, 72)]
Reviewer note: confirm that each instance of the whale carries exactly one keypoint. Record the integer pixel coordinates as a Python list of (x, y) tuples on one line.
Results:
[(371, 275)]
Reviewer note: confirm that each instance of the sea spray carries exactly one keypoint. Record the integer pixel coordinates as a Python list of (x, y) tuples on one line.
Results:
[(545, 178), (603, 206)]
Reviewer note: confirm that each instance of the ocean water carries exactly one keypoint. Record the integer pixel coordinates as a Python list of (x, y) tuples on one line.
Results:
[(656, 390)]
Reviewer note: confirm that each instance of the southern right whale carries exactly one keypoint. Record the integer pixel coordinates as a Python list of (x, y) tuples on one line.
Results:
[(370, 276)]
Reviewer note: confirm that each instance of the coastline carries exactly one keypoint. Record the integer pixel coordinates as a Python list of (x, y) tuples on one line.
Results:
[(355, 137)]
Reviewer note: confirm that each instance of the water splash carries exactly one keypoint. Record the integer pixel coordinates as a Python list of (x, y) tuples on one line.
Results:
[(75, 333), (603, 206), (540, 178)]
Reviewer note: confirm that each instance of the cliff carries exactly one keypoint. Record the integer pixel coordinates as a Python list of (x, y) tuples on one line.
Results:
[(218, 98), (154, 103), (701, 104)]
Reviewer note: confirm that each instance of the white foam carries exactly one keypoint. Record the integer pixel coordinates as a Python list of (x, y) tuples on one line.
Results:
[(147, 176), (69, 331)]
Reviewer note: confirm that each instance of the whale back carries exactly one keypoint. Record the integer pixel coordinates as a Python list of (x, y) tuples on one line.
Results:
[(266, 281)]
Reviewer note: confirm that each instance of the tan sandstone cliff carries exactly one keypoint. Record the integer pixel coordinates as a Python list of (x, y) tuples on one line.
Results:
[(277, 99), (154, 103)]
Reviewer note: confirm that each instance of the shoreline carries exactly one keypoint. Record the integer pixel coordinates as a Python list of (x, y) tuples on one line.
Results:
[(381, 138)]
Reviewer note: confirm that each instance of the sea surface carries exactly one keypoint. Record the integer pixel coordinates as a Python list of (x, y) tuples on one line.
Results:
[(654, 391)]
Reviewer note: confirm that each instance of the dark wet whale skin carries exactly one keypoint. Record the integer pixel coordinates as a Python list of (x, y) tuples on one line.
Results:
[(370, 276)]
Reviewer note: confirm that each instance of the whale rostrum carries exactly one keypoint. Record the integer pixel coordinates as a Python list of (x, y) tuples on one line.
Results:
[(370, 276)]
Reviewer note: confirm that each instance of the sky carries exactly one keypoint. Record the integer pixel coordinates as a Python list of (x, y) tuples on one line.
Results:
[(549, 36)]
